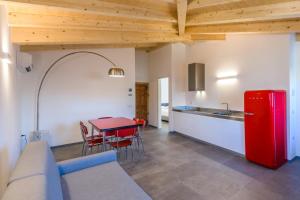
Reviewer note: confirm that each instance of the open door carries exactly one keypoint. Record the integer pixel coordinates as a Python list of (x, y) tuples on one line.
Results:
[(163, 103)]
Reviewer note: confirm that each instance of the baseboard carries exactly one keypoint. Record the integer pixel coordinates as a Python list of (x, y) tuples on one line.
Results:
[(149, 125), (295, 158), (65, 145)]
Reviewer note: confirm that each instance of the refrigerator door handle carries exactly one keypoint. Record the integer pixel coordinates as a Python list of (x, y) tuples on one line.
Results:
[(248, 113)]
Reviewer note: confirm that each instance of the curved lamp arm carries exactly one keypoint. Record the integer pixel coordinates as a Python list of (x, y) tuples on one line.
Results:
[(49, 69)]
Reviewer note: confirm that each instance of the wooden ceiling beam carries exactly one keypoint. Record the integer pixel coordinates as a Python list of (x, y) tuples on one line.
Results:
[(31, 48), (196, 4), (41, 11), (206, 37), (159, 5), (217, 6), (274, 11), (89, 22), (281, 26), (99, 7), (181, 15), (41, 36)]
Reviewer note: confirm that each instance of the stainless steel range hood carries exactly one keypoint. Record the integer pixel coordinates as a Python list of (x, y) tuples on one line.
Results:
[(196, 77)]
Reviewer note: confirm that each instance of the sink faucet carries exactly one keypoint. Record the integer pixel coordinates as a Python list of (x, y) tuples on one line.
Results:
[(227, 106)]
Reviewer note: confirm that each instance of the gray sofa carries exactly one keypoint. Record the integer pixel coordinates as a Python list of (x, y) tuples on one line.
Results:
[(38, 177)]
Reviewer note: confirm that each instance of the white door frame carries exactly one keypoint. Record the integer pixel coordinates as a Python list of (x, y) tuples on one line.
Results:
[(159, 99)]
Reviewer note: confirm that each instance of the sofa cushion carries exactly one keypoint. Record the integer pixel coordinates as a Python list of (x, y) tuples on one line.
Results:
[(76, 164), (37, 159), (30, 188), (32, 161), (107, 181)]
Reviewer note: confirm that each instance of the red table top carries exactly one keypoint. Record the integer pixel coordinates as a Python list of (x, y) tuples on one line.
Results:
[(111, 124)]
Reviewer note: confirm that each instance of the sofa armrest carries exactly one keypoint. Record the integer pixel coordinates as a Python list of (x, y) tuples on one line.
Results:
[(72, 165)]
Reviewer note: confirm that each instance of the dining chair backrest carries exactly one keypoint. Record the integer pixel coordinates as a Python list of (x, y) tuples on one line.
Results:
[(104, 117), (84, 131), (128, 132), (140, 121)]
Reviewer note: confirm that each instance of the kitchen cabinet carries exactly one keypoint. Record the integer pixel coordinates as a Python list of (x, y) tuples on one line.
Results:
[(228, 134)]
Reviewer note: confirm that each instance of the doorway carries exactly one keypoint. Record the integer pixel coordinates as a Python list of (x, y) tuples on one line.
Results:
[(163, 103), (141, 99)]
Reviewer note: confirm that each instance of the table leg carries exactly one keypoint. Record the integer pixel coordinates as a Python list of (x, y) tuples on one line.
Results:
[(104, 142)]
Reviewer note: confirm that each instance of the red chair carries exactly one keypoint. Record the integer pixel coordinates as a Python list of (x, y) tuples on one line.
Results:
[(139, 133), (104, 117), (89, 141), (123, 139), (143, 122)]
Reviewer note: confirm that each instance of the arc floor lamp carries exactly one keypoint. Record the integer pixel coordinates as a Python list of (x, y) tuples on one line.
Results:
[(114, 71)]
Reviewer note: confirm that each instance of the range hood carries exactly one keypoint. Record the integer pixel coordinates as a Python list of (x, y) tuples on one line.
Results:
[(196, 77)]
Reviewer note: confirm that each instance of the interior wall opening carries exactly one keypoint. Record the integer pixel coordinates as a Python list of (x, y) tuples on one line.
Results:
[(163, 103)]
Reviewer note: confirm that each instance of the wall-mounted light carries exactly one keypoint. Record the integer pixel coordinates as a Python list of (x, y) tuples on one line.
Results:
[(5, 58), (200, 94), (227, 77), (225, 81)]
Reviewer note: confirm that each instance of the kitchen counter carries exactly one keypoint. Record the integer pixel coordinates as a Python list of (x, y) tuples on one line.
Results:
[(211, 112)]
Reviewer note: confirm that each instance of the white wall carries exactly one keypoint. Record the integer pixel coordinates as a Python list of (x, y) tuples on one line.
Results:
[(260, 62), (159, 67), (9, 107), (178, 81), (167, 61), (141, 66), (297, 89), (78, 88), (179, 74)]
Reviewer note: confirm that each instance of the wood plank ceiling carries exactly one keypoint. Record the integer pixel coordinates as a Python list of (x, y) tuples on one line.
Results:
[(72, 24)]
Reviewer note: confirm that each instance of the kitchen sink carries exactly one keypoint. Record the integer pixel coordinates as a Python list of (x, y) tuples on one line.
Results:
[(222, 113)]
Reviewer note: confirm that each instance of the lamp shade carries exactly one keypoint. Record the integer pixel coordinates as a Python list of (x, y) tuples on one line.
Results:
[(116, 72)]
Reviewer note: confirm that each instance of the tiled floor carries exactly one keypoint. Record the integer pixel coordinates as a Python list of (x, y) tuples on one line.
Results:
[(177, 168)]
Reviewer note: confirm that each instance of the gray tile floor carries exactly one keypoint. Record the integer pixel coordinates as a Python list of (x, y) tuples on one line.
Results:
[(177, 168)]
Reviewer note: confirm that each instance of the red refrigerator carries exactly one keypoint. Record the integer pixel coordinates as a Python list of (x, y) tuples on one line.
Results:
[(265, 127)]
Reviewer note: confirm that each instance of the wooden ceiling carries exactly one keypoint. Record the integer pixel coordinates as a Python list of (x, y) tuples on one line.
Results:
[(72, 24)]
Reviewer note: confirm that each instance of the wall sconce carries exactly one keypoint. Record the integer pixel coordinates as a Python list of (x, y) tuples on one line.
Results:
[(5, 58), (201, 94), (226, 81), (227, 77)]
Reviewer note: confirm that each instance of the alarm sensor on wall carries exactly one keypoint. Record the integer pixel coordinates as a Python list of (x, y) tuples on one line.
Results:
[(24, 62)]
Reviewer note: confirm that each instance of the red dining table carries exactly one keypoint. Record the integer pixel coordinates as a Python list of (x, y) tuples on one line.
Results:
[(112, 124)]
